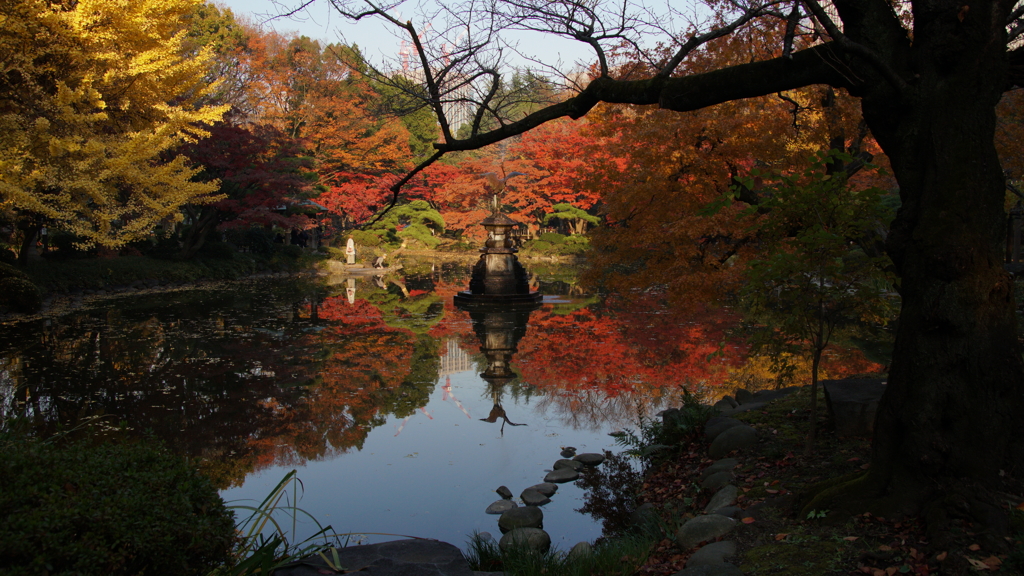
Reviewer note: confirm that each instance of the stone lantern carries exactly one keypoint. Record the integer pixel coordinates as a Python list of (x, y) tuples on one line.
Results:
[(498, 277)]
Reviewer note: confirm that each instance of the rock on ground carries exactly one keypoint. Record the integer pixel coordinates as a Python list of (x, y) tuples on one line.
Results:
[(744, 397), (717, 481), (852, 404), (715, 426), (397, 558), (735, 438), (714, 553), (723, 465), (504, 492), (702, 529), (580, 550), (726, 496)]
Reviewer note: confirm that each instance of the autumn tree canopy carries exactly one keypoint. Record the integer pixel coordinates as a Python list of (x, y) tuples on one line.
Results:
[(928, 76), (92, 94)]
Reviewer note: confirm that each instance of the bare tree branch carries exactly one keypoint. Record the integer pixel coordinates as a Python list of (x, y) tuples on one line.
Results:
[(849, 46)]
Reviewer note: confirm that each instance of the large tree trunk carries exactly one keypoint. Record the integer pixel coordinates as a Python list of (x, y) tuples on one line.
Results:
[(950, 416), (202, 226)]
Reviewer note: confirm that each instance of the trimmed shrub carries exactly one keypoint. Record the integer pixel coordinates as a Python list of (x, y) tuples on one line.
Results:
[(539, 246), (552, 238), (20, 295), (574, 245), (365, 238), (107, 510), (9, 271), (421, 234), (288, 251)]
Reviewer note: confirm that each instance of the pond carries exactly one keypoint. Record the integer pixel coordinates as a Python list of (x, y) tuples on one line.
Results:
[(401, 413)]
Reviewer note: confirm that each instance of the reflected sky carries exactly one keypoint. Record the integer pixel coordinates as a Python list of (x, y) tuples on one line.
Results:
[(372, 390)]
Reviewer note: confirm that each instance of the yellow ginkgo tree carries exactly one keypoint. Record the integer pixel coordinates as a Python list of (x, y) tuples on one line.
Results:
[(95, 96)]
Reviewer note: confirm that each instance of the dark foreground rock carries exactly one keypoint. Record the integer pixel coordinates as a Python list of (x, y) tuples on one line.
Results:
[(398, 558)]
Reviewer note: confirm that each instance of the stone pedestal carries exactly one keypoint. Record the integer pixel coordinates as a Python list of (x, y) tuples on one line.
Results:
[(498, 277)]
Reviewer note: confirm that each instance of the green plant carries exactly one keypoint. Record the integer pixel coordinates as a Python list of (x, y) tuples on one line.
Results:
[(817, 514), (366, 238), (266, 540), (538, 246), (264, 544), (108, 509), (612, 556), (676, 426), (552, 238)]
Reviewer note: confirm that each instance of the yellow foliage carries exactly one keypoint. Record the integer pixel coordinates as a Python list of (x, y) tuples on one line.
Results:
[(768, 373), (95, 99)]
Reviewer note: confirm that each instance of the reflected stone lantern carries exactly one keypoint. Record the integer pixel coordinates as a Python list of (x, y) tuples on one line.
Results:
[(498, 277), (499, 329)]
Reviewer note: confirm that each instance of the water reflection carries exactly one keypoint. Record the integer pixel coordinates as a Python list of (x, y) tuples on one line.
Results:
[(499, 328), (384, 389)]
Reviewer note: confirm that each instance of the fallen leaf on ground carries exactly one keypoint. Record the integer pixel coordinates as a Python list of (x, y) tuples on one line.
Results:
[(748, 520), (781, 536), (978, 564), (974, 547), (851, 538), (993, 561), (941, 557)]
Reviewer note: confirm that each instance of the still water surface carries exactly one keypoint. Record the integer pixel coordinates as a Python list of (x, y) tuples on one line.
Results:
[(376, 392)]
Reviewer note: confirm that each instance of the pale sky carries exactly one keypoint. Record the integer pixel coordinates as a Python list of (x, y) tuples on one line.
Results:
[(375, 40)]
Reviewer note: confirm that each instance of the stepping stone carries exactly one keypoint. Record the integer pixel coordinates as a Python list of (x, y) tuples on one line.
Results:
[(534, 498), (525, 517), (702, 529), (735, 438), (852, 404), (545, 488), (568, 452), (714, 553), (533, 538), (504, 492), (500, 507), (589, 458), (562, 475), (724, 497), (570, 464)]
